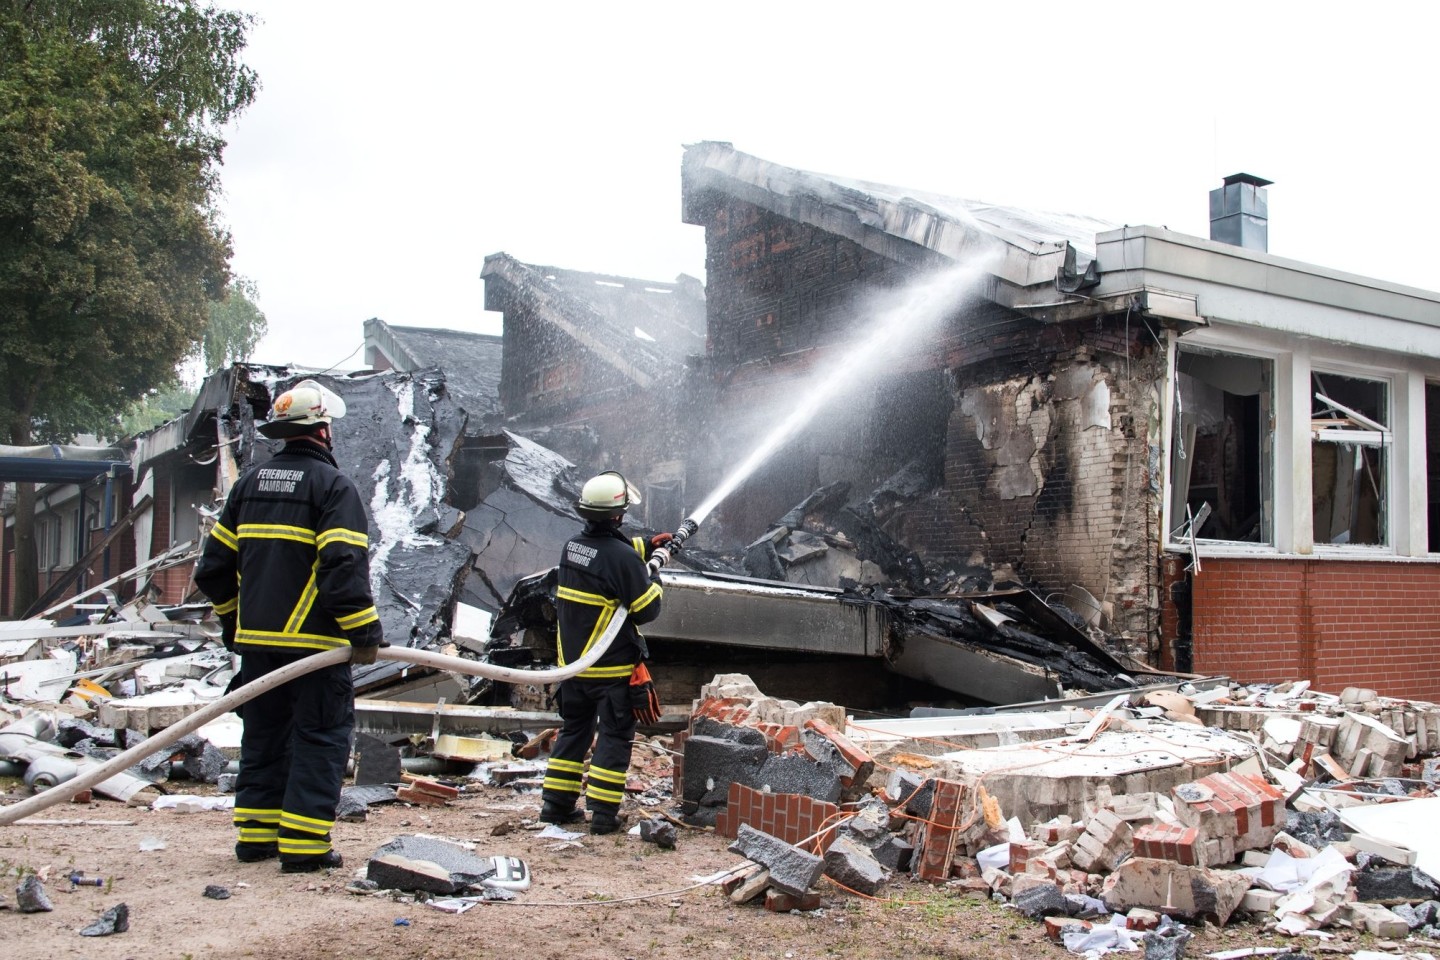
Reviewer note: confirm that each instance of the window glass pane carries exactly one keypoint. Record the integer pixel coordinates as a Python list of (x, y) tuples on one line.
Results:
[(1349, 451), (1221, 462)]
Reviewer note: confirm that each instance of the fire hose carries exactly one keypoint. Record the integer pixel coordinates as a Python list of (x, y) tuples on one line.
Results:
[(420, 658)]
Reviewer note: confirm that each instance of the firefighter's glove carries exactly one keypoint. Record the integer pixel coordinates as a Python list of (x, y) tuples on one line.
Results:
[(227, 630), (364, 656), (663, 540)]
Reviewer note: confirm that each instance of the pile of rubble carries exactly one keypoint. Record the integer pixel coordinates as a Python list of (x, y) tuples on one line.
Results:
[(1302, 810)]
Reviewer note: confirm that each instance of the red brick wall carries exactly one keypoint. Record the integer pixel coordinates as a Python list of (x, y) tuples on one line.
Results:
[(1337, 623)]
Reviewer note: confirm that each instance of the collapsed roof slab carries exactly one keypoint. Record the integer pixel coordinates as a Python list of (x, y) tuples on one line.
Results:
[(735, 611), (1041, 780), (395, 443), (522, 525)]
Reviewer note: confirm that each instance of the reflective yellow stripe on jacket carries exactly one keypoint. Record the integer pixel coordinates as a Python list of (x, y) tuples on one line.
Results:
[(602, 620)]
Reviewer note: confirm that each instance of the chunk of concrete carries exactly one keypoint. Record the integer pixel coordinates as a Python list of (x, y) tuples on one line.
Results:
[(1379, 882), (1175, 889), (712, 764), (376, 761), (792, 870), (854, 867), (114, 920), (1375, 919), (792, 773), (30, 896), (429, 864), (1041, 900)]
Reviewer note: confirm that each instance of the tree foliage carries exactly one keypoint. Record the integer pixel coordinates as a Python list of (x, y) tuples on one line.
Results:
[(235, 325), (110, 249)]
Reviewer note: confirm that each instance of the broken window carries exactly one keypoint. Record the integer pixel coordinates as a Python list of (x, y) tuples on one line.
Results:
[(1350, 440), (1221, 454)]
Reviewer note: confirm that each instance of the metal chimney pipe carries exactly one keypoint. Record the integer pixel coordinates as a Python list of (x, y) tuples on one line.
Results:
[(1239, 213)]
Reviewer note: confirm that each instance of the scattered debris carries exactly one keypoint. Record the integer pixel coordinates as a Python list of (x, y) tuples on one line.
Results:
[(216, 892), (114, 920), (30, 896)]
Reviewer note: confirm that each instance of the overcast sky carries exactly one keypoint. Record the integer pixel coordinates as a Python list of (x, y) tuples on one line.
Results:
[(393, 146)]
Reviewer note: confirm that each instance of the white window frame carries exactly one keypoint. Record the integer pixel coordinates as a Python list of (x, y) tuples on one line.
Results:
[(1406, 536)]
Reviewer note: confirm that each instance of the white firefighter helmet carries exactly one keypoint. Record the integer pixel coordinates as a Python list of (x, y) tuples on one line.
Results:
[(299, 409), (606, 495)]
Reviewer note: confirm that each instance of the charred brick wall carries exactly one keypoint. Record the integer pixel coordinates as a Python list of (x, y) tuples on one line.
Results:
[(1049, 467), (1336, 623), (776, 286), (1046, 437)]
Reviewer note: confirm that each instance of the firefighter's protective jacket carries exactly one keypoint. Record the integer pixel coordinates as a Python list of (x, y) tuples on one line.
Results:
[(599, 572), (287, 564)]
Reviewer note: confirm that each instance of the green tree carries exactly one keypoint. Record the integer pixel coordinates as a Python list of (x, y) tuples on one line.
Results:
[(110, 248), (234, 327)]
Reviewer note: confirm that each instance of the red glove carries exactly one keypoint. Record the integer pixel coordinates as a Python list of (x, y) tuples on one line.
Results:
[(660, 539)]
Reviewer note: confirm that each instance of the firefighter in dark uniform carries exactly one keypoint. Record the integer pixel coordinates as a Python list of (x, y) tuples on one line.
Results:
[(287, 568), (600, 570)]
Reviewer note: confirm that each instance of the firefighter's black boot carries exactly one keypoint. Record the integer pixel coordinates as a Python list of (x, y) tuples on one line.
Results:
[(255, 852), (554, 813), (602, 822), (328, 860)]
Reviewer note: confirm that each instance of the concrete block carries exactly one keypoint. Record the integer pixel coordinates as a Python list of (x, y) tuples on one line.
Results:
[(710, 727), (1260, 900), (854, 867), (713, 764), (795, 773), (1384, 849), (1105, 839), (1373, 918), (425, 863), (376, 761), (832, 748), (792, 870), (1175, 889)]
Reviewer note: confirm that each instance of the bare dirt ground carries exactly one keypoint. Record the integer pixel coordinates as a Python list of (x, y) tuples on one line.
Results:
[(576, 909)]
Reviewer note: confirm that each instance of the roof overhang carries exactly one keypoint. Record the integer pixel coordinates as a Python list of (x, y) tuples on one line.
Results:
[(1172, 275), (54, 463)]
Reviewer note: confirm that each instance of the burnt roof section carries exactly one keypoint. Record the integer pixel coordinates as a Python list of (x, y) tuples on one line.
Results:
[(644, 328), (471, 362), (905, 225)]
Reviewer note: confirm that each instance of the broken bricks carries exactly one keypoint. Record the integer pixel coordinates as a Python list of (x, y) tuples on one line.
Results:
[(425, 792)]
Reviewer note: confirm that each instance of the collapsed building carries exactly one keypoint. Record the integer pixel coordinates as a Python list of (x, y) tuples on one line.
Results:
[(1114, 425)]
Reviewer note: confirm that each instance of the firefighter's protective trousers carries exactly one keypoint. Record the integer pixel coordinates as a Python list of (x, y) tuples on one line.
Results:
[(586, 705), (292, 757)]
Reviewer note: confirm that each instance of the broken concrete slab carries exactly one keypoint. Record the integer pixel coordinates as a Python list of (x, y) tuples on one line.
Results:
[(427, 863), (1041, 900), (1175, 889), (1042, 780), (712, 764), (376, 761)]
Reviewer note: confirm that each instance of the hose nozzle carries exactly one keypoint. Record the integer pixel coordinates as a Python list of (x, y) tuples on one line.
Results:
[(662, 555)]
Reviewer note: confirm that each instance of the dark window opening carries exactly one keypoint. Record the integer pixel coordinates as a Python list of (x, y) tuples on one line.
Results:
[(1432, 463), (1349, 430), (1221, 472)]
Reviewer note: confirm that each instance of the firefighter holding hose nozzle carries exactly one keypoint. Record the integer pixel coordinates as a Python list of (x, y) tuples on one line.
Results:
[(600, 571)]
